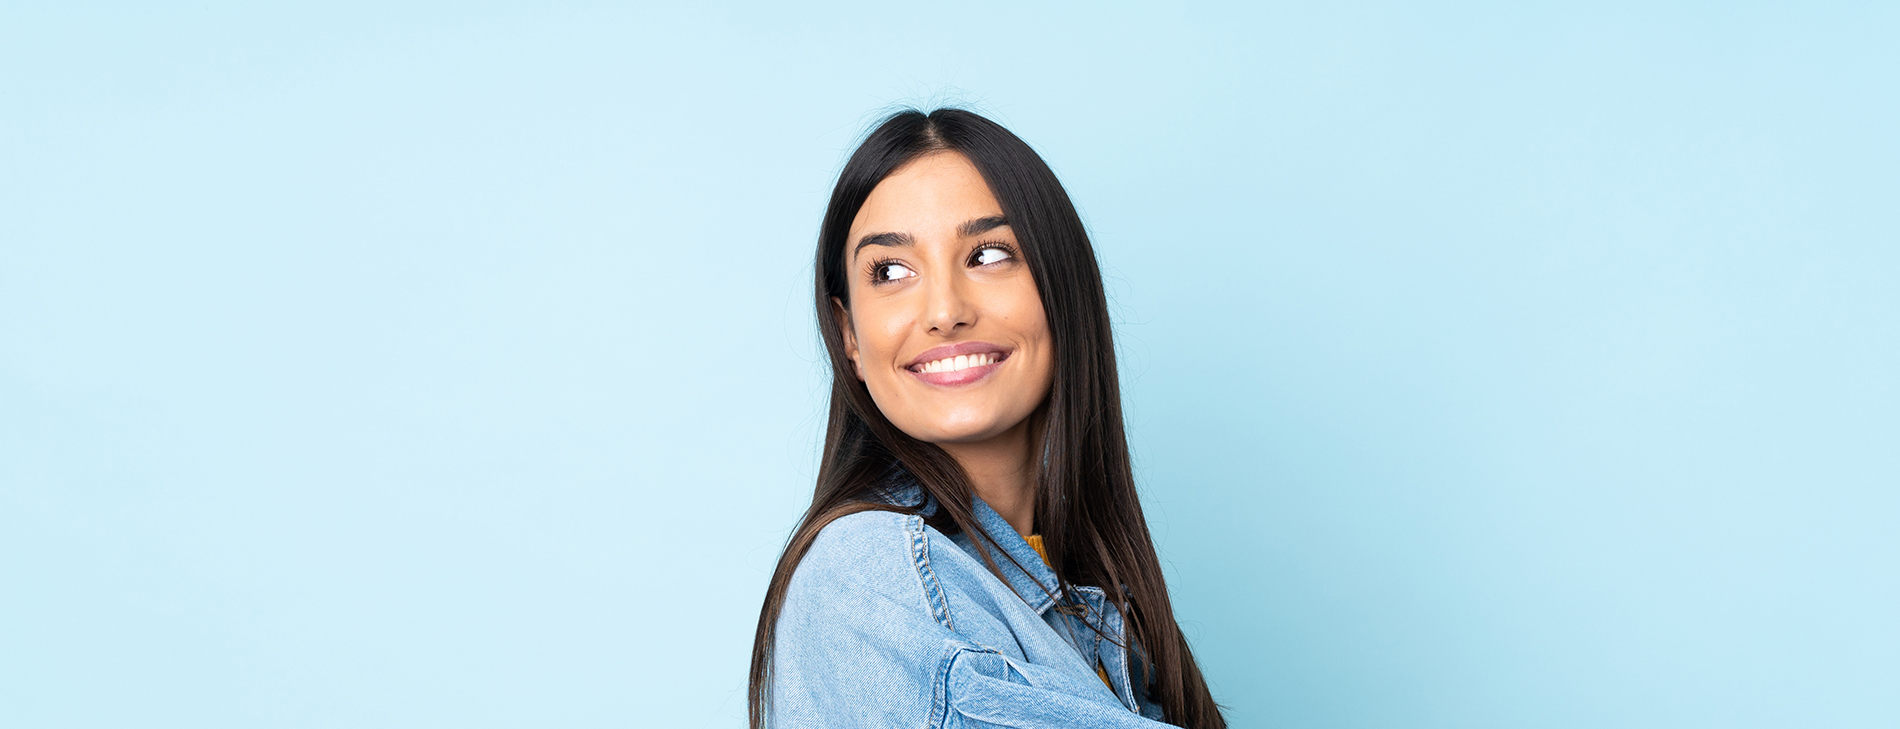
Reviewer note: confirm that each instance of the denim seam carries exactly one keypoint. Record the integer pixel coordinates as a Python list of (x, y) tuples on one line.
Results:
[(940, 693), (1128, 680), (943, 677), (1113, 623), (933, 590)]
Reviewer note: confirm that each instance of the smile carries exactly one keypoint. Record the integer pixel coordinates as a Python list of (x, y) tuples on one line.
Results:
[(958, 364)]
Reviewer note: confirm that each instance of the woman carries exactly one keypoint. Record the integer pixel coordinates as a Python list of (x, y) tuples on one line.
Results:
[(975, 506)]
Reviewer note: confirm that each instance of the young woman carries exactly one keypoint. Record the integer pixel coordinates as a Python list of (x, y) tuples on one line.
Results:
[(975, 554)]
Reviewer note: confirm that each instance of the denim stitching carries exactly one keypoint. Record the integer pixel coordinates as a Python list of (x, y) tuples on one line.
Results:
[(1121, 667), (940, 693), (933, 590)]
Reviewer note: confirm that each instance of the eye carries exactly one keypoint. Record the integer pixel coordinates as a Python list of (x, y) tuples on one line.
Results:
[(991, 254), (886, 271)]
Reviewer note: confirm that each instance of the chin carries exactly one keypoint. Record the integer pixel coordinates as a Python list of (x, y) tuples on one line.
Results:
[(957, 430)]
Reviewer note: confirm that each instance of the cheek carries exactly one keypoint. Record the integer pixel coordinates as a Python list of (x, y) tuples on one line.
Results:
[(880, 334), (1035, 328), (1026, 316)]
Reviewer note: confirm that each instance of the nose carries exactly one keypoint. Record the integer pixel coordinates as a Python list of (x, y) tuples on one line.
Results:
[(948, 306)]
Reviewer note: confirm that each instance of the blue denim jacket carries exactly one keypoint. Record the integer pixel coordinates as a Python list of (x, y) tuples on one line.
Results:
[(887, 622)]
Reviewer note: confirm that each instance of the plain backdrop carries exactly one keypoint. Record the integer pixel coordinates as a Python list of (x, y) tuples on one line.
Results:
[(451, 365)]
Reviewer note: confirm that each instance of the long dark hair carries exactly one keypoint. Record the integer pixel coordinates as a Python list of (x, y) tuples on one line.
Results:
[(1086, 507)]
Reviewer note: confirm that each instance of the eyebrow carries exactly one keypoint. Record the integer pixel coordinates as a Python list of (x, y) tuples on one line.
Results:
[(970, 228), (980, 226), (882, 239)]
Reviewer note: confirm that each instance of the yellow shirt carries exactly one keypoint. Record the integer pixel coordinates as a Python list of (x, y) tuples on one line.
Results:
[(1035, 543)]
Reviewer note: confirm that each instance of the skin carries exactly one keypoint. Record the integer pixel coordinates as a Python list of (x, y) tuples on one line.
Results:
[(943, 279)]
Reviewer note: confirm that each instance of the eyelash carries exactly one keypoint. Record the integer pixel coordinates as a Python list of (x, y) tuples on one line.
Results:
[(878, 265), (1004, 247), (871, 271)]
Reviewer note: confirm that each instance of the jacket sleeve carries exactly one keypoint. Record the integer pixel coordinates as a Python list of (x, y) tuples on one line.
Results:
[(988, 689), (857, 644), (862, 641)]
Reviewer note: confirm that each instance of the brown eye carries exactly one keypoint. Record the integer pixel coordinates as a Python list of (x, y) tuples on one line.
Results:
[(987, 256), (891, 272)]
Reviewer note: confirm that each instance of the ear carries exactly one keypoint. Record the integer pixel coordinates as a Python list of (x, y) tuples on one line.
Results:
[(850, 334)]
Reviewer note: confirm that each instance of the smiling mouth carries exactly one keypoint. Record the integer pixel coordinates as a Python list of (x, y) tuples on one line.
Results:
[(959, 362)]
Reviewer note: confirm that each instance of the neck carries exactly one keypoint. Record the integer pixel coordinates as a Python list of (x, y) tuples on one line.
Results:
[(1003, 474)]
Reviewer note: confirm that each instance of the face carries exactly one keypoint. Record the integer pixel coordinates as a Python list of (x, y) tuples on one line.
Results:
[(944, 325)]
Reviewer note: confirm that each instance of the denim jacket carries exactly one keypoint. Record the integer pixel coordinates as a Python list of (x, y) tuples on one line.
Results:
[(887, 622)]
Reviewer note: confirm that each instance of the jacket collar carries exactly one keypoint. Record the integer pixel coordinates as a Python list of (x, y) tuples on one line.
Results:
[(1028, 576)]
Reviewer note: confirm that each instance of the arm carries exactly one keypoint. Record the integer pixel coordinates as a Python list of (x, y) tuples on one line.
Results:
[(857, 644), (860, 643), (989, 689)]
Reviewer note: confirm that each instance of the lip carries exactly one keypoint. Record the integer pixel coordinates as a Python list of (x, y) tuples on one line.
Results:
[(959, 377)]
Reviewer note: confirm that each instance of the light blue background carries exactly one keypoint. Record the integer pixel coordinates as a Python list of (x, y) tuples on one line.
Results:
[(451, 366)]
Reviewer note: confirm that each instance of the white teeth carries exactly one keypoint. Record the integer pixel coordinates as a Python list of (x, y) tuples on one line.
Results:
[(960, 362)]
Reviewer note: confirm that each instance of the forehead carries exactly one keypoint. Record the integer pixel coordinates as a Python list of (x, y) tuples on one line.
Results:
[(930, 195)]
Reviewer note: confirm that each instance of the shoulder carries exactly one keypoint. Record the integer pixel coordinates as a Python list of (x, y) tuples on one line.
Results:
[(869, 551), (861, 591), (872, 524), (857, 641), (873, 535)]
